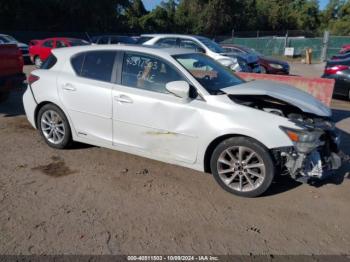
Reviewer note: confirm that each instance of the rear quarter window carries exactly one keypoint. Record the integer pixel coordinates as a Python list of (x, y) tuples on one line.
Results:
[(49, 62), (77, 62), (97, 65)]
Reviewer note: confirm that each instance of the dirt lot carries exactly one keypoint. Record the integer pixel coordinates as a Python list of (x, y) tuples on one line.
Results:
[(91, 200)]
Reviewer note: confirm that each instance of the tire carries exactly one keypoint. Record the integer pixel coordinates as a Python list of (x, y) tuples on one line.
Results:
[(54, 127), (263, 70), (249, 175), (37, 62)]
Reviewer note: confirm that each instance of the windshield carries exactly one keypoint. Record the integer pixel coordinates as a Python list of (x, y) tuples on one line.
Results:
[(209, 73), (7, 39), (213, 46)]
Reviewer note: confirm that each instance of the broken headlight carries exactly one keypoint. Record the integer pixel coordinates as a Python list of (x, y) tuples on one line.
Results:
[(300, 136)]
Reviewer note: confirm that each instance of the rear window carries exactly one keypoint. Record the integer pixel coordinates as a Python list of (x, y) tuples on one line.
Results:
[(49, 62), (143, 39), (96, 65)]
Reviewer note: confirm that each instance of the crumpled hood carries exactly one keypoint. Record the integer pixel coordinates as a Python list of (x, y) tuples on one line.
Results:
[(289, 94)]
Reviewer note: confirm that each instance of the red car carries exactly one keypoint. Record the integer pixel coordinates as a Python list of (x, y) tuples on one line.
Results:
[(268, 65), (40, 50), (345, 49)]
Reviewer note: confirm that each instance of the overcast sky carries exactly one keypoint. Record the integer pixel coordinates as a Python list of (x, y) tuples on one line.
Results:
[(150, 4)]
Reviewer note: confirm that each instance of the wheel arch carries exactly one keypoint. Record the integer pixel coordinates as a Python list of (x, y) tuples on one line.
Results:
[(213, 144), (43, 103)]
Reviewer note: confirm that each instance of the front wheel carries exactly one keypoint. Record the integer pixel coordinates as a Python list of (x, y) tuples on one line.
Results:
[(54, 126), (242, 166)]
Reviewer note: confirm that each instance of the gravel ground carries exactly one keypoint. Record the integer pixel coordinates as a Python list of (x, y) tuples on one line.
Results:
[(91, 200)]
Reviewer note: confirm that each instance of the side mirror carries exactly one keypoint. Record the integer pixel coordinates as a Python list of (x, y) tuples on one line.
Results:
[(180, 89)]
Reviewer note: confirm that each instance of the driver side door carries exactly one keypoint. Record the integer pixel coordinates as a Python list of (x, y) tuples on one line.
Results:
[(146, 117)]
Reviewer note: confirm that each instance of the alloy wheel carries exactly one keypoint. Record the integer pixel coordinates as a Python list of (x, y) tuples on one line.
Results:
[(241, 168), (52, 127)]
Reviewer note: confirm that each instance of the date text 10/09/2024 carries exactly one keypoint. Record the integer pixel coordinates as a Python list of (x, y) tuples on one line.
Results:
[(172, 258)]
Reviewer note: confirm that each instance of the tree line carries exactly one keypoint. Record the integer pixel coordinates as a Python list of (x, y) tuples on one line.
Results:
[(208, 17)]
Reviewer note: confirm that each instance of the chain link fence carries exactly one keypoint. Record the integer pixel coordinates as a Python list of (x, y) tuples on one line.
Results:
[(270, 43), (323, 47)]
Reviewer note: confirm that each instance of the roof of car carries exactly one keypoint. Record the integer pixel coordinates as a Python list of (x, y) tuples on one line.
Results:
[(123, 47), (170, 35)]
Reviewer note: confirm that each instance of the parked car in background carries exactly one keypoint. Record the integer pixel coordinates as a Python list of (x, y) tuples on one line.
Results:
[(7, 39), (268, 65), (40, 50), (11, 68), (345, 49), (112, 39), (182, 107), (196, 43), (339, 70), (341, 56)]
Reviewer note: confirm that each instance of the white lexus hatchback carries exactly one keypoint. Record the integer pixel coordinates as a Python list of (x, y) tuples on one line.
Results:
[(183, 108)]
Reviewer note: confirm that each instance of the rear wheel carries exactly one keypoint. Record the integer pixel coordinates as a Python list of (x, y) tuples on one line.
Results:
[(242, 166), (54, 126), (37, 61)]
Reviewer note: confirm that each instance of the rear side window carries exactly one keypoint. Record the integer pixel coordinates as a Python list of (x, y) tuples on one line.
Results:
[(49, 62), (96, 65)]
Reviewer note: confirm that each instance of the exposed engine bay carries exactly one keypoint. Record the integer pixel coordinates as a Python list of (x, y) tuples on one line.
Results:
[(315, 153)]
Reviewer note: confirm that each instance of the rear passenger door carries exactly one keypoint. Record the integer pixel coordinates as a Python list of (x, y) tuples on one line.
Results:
[(86, 93)]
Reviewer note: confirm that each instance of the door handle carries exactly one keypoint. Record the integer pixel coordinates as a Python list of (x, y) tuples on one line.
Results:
[(69, 87), (123, 99)]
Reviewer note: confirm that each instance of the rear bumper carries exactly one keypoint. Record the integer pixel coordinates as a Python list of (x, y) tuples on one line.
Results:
[(30, 105)]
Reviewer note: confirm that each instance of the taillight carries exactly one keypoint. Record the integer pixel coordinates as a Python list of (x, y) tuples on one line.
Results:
[(334, 69), (32, 79)]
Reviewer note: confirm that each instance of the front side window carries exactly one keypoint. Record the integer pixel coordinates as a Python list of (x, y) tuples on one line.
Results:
[(210, 74), (48, 43), (97, 65), (147, 72)]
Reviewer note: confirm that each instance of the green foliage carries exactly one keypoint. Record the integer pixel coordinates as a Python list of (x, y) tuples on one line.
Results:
[(208, 17), (336, 17)]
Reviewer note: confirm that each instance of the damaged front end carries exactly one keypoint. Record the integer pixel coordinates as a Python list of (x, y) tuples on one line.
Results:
[(315, 154)]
